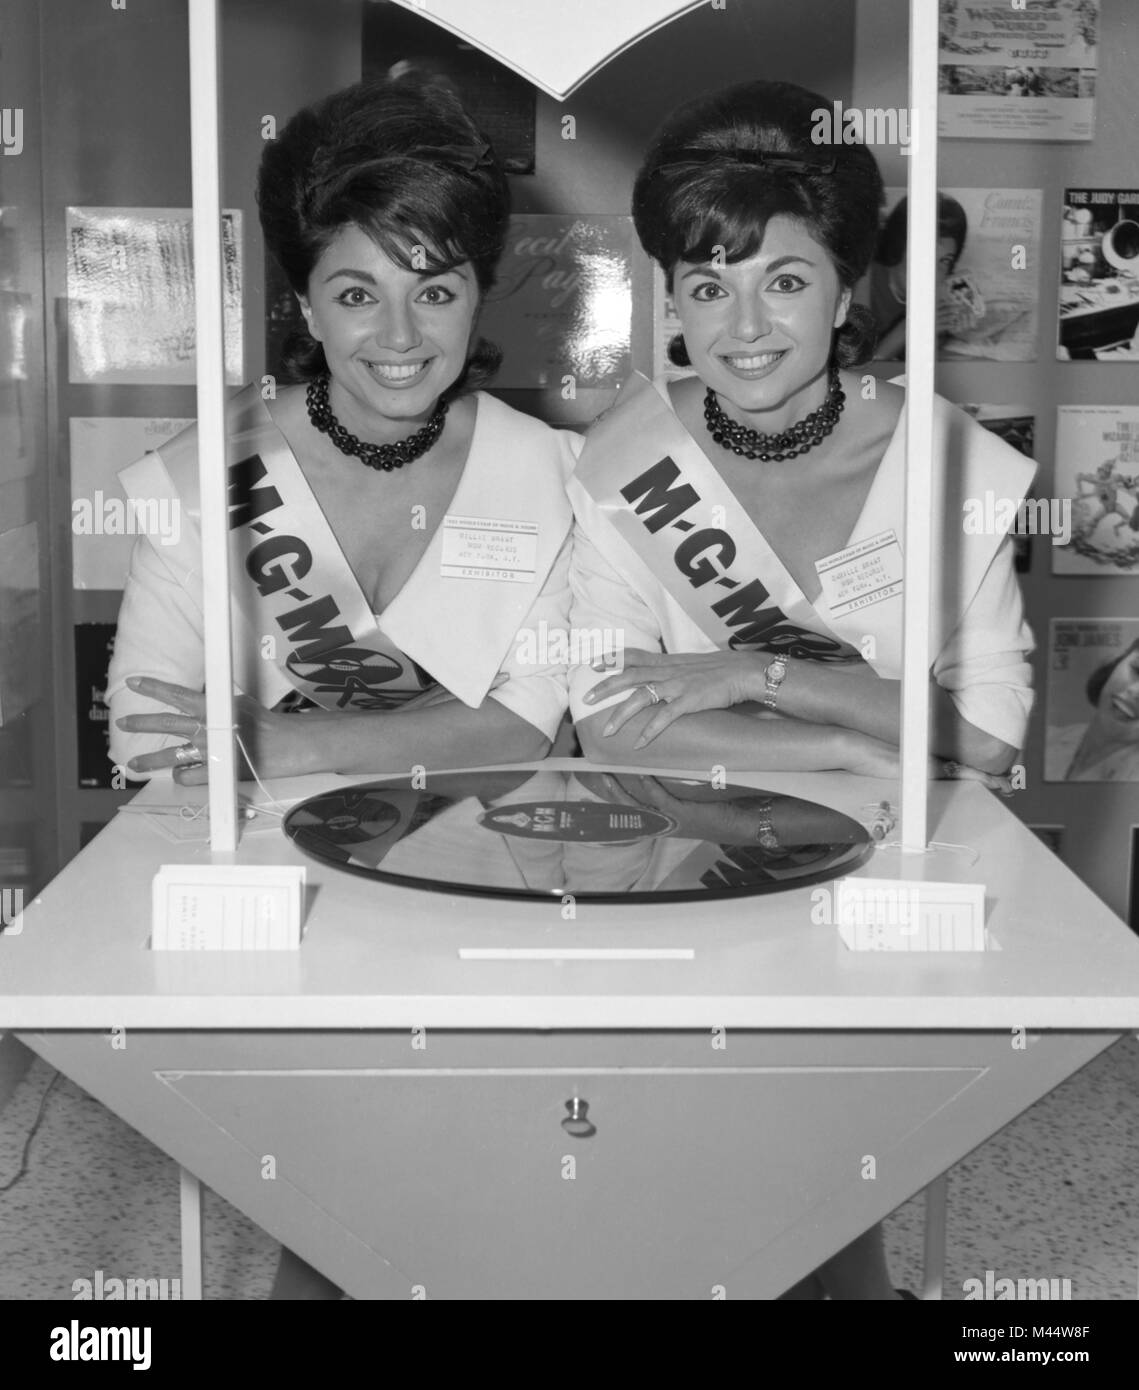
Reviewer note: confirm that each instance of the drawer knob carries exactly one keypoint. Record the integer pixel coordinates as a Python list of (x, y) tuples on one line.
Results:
[(577, 1122)]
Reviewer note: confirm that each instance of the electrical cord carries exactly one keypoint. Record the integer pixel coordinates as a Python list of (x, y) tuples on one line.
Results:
[(23, 1168)]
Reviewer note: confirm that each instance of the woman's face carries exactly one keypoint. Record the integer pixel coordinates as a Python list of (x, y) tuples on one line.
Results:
[(395, 339), (947, 253), (759, 332), (1118, 710)]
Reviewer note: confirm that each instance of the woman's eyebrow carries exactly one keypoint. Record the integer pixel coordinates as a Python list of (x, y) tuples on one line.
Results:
[(774, 265), (370, 279), (354, 274)]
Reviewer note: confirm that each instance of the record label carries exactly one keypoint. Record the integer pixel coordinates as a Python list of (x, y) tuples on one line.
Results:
[(600, 822)]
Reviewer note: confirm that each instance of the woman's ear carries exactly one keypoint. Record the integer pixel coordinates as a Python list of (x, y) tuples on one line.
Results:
[(306, 310), (844, 302)]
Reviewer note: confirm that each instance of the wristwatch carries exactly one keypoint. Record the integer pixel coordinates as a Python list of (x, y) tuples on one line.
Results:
[(773, 678), (767, 837)]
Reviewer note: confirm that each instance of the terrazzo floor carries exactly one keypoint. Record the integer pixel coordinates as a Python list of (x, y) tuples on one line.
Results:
[(1054, 1195)]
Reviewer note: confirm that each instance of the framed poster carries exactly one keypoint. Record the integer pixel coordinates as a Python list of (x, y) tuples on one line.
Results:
[(1097, 473), (1018, 71), (562, 306), (988, 282), (1092, 725), (130, 296), (1099, 275)]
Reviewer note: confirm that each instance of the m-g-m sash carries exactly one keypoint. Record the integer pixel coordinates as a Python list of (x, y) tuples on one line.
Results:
[(291, 579), (656, 488)]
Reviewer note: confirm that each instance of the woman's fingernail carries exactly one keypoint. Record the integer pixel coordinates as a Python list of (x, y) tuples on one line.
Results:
[(589, 697), (608, 729), (133, 764), (640, 743)]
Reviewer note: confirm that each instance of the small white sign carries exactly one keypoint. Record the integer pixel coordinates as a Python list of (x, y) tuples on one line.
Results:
[(480, 547), (227, 907), (884, 914), (862, 574)]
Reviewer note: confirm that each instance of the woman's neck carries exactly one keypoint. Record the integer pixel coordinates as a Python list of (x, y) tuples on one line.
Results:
[(787, 413)]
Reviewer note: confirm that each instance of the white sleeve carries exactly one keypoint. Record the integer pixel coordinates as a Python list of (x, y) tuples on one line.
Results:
[(607, 607), (160, 634), (984, 664), (535, 665)]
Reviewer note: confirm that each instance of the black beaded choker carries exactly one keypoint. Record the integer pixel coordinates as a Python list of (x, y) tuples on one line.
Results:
[(385, 456), (750, 444)]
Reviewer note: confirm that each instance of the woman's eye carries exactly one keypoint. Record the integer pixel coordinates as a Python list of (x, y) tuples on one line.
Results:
[(788, 284), (436, 294), (707, 291), (354, 297)]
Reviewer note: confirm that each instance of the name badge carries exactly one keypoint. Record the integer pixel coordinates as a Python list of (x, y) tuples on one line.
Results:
[(865, 573), (479, 547)]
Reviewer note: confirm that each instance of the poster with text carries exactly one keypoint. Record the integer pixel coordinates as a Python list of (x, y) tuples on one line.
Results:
[(1099, 275), (1097, 471), (130, 292), (987, 275), (1018, 71), (1092, 724), (561, 309), (104, 524), (94, 643)]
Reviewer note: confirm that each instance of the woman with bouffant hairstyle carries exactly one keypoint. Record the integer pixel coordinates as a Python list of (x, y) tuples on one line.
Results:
[(356, 593), (744, 526)]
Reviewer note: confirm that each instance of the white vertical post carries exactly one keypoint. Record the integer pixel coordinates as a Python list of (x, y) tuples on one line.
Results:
[(190, 1204), (210, 339), (933, 1252), (921, 352)]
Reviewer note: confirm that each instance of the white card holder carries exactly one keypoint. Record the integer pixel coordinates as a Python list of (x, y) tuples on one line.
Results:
[(889, 914), (227, 907)]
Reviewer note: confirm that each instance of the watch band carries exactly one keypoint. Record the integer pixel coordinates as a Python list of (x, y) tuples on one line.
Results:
[(766, 836), (773, 677)]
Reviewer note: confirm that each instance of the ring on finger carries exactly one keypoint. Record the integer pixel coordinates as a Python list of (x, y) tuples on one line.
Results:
[(189, 755), (652, 693)]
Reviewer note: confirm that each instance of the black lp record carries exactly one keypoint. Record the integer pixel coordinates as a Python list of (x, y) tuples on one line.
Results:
[(594, 835)]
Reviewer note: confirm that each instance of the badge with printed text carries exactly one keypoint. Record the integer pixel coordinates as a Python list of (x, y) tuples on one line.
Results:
[(862, 574), (479, 547)]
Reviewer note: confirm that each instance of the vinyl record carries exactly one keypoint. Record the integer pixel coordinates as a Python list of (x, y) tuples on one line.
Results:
[(594, 835)]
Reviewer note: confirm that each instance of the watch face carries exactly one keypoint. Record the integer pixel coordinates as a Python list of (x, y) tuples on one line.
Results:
[(596, 835)]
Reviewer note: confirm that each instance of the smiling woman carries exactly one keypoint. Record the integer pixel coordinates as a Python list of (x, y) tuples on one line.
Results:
[(396, 532), (743, 525)]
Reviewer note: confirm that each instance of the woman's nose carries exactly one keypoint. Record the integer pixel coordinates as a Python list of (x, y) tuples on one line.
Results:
[(751, 320), (397, 329)]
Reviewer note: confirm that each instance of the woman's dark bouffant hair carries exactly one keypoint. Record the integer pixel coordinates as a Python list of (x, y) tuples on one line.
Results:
[(1100, 676), (401, 160), (705, 183), (951, 222)]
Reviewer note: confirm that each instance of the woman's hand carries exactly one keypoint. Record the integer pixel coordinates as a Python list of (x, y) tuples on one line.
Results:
[(684, 683), (870, 757), (275, 742)]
